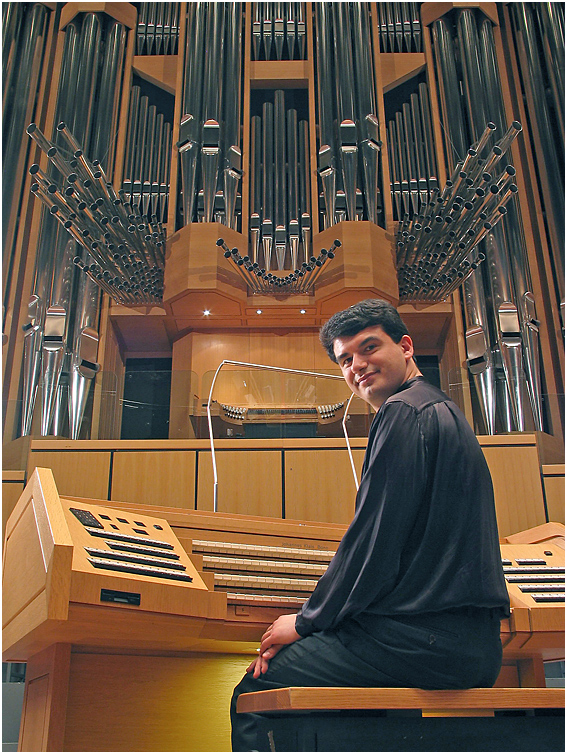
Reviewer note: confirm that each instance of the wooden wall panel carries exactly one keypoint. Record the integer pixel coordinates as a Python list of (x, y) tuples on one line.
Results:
[(554, 487), (517, 487), (84, 474), (109, 390), (166, 703), (319, 485), (155, 478), (202, 354), (250, 476), (249, 482), (45, 700)]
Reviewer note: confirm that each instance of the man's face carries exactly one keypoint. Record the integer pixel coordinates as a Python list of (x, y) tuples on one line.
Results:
[(373, 365)]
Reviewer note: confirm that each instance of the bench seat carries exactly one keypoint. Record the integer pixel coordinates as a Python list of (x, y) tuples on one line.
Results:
[(408, 719)]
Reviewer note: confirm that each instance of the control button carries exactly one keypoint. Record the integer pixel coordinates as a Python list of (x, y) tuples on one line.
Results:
[(114, 526), (140, 531), (106, 518), (86, 517), (123, 520), (129, 538), (139, 523), (157, 526)]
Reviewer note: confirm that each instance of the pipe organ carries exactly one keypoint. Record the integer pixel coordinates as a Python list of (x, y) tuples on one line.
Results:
[(249, 168)]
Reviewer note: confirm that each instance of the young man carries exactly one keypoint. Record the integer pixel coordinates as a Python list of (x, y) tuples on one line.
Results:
[(415, 593)]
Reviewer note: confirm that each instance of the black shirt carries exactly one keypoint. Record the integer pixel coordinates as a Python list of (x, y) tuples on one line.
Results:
[(424, 535)]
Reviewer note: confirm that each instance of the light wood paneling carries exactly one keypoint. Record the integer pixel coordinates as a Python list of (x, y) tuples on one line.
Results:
[(76, 473), (155, 478), (319, 485), (518, 491), (45, 700), (554, 486), (248, 482), (166, 703)]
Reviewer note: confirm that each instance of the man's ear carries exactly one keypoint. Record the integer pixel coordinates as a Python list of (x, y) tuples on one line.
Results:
[(406, 344)]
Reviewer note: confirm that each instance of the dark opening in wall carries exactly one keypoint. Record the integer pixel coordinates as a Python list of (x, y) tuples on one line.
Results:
[(145, 410), (429, 367)]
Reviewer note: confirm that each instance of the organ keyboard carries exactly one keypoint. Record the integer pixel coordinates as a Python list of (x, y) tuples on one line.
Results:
[(322, 414), (272, 580)]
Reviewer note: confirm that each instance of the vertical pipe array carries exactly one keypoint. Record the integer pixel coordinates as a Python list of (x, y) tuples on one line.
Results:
[(209, 135), (146, 166), (501, 337), (61, 334), (280, 221), (412, 156), (157, 30), (278, 31), (400, 27), (23, 45), (348, 152)]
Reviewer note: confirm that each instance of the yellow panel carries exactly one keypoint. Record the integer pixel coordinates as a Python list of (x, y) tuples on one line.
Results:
[(75, 473), (155, 478), (249, 482), (517, 487), (319, 485), (166, 703)]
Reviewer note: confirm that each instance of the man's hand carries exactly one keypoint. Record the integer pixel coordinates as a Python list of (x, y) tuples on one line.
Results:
[(281, 632)]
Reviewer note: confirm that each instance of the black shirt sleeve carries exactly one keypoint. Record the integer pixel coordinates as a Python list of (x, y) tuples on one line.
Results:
[(366, 564)]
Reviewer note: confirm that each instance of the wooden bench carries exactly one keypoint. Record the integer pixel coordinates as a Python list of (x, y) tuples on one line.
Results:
[(402, 719)]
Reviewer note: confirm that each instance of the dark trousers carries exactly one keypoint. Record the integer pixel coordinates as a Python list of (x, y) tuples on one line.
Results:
[(435, 651)]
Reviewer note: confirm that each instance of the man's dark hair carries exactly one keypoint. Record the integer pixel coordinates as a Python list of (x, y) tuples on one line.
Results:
[(368, 313)]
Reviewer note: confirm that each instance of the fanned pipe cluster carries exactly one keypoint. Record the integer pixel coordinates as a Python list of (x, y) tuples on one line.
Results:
[(348, 123), (148, 159), (209, 134), (278, 31), (437, 249), (502, 330), (539, 37), (260, 280), (400, 27), (280, 200), (61, 327), (157, 31), (126, 254), (411, 153)]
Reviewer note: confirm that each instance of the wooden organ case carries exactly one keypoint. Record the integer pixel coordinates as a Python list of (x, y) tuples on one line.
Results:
[(102, 600)]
